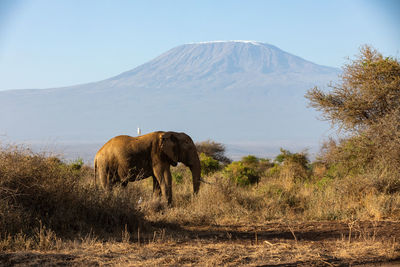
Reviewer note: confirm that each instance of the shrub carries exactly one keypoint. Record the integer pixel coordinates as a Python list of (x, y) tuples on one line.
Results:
[(213, 150), (287, 156), (208, 164), (295, 166), (40, 192), (77, 164), (250, 160), (180, 174), (242, 174), (346, 157), (248, 170)]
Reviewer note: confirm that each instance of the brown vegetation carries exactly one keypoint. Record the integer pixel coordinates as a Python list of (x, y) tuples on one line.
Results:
[(51, 213), (366, 104), (342, 209), (40, 193)]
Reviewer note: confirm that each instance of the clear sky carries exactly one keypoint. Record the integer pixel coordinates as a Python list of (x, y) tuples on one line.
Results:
[(48, 43)]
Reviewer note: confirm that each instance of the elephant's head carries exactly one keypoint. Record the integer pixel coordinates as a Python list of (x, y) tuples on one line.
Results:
[(188, 156), (179, 147), (169, 146)]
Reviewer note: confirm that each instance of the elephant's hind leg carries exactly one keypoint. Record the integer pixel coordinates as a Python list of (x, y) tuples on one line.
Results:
[(104, 179)]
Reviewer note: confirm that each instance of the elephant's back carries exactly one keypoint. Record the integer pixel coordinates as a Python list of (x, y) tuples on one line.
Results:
[(120, 140), (123, 144), (114, 144)]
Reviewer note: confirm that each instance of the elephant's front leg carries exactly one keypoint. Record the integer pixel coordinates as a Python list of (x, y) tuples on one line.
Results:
[(156, 188), (163, 175)]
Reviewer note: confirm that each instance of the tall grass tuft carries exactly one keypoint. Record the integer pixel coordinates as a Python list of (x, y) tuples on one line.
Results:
[(40, 194)]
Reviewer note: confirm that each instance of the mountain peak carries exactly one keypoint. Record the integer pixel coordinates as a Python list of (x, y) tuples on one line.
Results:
[(230, 41), (243, 63)]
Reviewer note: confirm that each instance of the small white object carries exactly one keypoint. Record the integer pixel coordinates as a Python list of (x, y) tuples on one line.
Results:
[(139, 131)]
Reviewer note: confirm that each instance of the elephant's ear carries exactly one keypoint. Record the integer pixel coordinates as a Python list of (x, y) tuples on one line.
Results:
[(169, 146)]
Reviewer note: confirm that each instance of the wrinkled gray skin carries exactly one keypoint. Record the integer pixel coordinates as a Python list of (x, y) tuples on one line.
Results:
[(126, 159)]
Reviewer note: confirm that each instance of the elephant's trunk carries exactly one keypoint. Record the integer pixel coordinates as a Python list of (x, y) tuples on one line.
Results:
[(191, 159), (196, 171)]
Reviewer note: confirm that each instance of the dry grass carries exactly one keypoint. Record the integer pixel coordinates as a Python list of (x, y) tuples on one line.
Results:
[(51, 213), (175, 251), (273, 198), (39, 194)]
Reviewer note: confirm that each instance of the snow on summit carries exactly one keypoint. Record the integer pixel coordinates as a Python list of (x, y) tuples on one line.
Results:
[(221, 64), (230, 41)]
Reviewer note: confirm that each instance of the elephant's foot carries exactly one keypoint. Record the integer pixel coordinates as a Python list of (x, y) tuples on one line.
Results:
[(156, 193)]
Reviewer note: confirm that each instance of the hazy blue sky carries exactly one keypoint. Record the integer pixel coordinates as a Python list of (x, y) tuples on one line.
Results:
[(48, 43)]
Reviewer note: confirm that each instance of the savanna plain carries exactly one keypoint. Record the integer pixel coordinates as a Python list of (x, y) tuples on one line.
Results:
[(342, 209)]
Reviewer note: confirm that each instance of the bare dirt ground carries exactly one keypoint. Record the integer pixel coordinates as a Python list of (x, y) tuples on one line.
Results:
[(270, 244)]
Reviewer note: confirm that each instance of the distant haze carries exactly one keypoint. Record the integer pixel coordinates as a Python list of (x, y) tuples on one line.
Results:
[(245, 94)]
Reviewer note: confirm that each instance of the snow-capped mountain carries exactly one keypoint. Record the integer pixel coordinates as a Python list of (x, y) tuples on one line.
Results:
[(220, 65), (240, 92)]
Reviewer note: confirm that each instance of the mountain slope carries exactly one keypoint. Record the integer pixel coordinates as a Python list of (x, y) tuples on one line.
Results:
[(240, 63), (232, 92)]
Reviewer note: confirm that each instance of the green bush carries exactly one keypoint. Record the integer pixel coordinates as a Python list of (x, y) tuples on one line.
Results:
[(213, 150), (273, 171), (208, 164), (77, 164), (294, 166), (299, 158), (250, 160), (248, 170), (241, 174)]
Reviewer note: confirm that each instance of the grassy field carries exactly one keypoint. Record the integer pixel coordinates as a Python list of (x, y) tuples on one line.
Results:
[(343, 209), (53, 214)]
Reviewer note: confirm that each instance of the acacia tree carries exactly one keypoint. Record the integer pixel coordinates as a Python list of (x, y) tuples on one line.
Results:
[(366, 103), (214, 150), (368, 92)]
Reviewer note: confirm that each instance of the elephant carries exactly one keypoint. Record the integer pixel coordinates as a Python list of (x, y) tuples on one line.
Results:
[(126, 159)]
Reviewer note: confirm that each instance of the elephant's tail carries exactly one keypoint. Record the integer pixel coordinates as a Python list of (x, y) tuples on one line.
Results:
[(95, 170)]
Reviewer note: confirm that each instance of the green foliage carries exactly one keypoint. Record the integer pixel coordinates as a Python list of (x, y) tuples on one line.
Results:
[(348, 157), (77, 164), (273, 171), (248, 170), (244, 172), (280, 158), (208, 164), (177, 177), (324, 182), (181, 174), (294, 166), (213, 150), (287, 156), (250, 160)]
